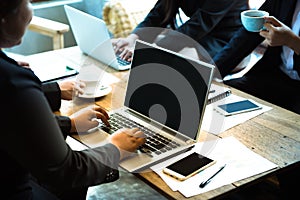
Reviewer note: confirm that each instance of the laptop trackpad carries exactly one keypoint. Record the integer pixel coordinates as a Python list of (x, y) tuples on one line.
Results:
[(135, 161)]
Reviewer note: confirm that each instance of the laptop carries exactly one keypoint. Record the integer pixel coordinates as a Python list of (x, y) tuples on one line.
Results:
[(92, 37), (166, 97)]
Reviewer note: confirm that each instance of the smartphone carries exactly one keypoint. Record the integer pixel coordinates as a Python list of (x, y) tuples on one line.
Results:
[(237, 107), (188, 166)]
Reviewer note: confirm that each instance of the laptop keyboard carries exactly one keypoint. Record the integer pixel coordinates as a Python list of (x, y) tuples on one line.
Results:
[(122, 62), (155, 142)]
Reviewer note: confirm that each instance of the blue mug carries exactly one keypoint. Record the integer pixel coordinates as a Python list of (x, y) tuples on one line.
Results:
[(253, 20)]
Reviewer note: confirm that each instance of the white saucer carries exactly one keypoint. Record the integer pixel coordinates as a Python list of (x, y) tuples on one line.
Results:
[(103, 90)]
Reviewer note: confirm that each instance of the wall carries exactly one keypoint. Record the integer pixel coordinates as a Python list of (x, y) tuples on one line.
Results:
[(35, 43)]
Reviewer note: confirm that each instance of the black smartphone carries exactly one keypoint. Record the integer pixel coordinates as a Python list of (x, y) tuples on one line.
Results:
[(188, 166), (237, 107)]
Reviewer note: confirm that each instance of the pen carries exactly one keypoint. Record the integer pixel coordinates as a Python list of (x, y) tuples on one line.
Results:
[(212, 91), (204, 183)]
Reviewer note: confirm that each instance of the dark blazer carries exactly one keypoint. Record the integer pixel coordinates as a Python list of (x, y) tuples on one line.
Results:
[(32, 143), (53, 95), (212, 22), (244, 42)]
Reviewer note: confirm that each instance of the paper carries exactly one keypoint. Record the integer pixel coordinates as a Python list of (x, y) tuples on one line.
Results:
[(240, 161), (75, 145), (216, 123)]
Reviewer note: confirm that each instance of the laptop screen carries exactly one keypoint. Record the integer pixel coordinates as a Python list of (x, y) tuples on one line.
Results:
[(168, 88)]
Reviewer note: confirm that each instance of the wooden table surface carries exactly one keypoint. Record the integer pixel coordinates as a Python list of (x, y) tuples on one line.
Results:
[(275, 134)]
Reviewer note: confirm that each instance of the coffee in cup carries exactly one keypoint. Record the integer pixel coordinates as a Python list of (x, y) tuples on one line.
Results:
[(253, 20)]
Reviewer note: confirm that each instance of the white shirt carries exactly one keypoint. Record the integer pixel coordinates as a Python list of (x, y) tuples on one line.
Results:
[(287, 53)]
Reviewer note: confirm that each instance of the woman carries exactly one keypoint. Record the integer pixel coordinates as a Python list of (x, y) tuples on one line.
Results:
[(33, 149), (211, 23)]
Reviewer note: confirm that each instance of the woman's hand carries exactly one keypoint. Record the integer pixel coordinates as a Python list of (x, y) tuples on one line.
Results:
[(278, 34), (85, 119), (69, 88), (127, 140), (24, 64)]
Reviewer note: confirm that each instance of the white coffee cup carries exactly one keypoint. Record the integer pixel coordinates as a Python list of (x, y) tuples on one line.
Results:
[(91, 80), (91, 87)]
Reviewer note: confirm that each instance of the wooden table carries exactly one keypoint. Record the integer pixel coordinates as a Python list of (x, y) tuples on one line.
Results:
[(275, 134)]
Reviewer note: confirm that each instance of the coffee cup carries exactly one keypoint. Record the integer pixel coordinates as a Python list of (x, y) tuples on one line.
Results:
[(91, 81), (253, 20), (91, 86)]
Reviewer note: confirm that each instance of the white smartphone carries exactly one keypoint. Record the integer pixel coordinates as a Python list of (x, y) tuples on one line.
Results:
[(188, 166), (237, 107)]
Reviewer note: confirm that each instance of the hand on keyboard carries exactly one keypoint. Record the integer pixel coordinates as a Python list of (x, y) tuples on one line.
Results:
[(88, 118), (127, 140), (122, 61), (155, 144)]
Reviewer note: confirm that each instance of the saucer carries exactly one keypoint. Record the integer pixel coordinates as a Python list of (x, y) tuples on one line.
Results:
[(103, 90)]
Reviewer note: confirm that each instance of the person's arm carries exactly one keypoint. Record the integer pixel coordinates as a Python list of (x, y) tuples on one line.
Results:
[(70, 88), (147, 30), (53, 94), (64, 89), (37, 144), (78, 122), (202, 22), (278, 34), (144, 30), (64, 124), (294, 43), (241, 45), (155, 19)]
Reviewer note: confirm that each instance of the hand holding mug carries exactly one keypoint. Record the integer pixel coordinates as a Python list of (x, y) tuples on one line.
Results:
[(277, 33)]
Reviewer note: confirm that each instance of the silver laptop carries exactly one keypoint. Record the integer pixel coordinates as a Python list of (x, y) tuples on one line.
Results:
[(166, 97), (92, 37)]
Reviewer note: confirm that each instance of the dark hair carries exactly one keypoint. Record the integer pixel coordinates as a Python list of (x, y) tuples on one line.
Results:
[(8, 6)]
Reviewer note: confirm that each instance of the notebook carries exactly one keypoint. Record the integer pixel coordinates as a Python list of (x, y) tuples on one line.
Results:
[(217, 92), (48, 72), (55, 73), (166, 98), (92, 37)]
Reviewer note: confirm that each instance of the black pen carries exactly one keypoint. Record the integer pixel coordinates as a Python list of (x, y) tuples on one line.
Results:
[(204, 183)]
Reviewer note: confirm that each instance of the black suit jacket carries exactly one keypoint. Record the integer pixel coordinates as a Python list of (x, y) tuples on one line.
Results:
[(53, 95), (32, 143), (244, 42), (212, 23)]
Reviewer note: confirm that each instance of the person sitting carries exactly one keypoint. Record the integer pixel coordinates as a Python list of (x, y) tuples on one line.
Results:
[(275, 77), (33, 150), (56, 90), (211, 23)]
